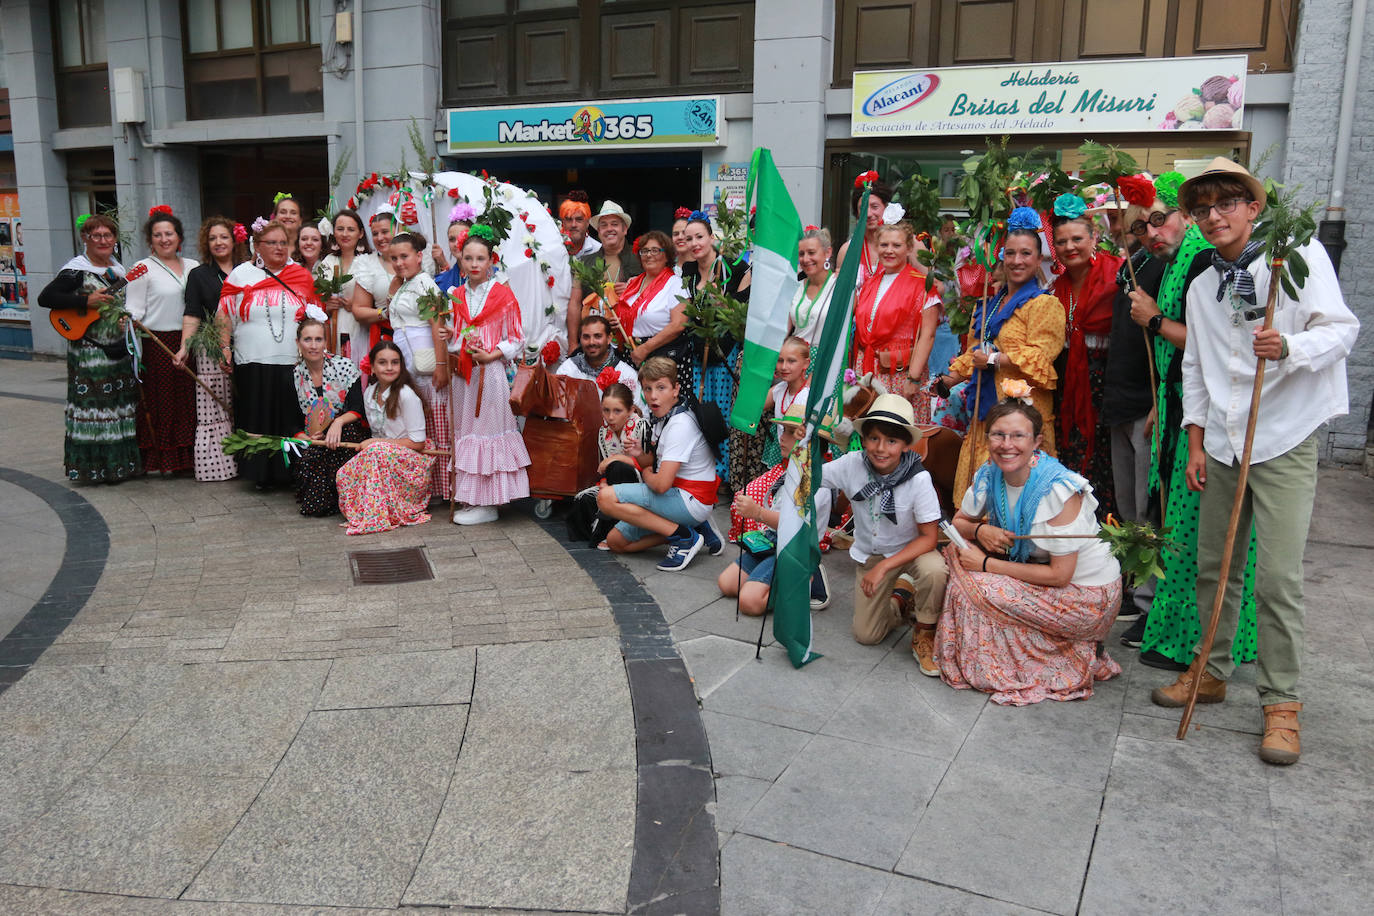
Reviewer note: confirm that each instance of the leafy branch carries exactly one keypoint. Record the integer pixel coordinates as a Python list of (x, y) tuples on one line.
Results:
[(433, 305), (329, 285), (920, 197), (733, 225), (1284, 228), (208, 338), (1137, 547), (716, 318)]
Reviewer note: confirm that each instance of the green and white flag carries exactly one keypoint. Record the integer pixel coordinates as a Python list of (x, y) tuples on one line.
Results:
[(799, 527), (773, 284)]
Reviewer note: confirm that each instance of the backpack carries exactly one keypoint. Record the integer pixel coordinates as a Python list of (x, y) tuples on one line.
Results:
[(711, 423)]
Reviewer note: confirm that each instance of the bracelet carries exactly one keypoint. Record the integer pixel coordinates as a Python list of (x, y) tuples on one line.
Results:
[(976, 530), (1283, 353), (985, 562)]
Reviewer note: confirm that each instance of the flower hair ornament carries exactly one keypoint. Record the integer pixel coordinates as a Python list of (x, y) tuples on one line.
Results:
[(311, 310), (259, 224), (462, 212), (1069, 206), (635, 246), (1137, 189), (607, 377), (682, 213), (1166, 188), (159, 210), (484, 232), (892, 213), (810, 228), (1017, 389), (240, 233), (865, 178), (699, 216), (281, 196), (81, 221), (365, 367), (550, 352), (1024, 219)]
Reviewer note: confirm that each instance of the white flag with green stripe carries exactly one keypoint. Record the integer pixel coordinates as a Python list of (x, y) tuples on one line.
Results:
[(773, 284)]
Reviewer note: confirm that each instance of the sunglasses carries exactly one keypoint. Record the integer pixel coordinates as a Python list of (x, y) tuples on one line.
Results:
[(1202, 211), (1156, 219)]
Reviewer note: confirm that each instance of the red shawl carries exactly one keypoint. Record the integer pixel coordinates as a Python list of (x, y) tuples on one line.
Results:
[(636, 299), (893, 327), (1093, 315), (299, 281), (499, 320)]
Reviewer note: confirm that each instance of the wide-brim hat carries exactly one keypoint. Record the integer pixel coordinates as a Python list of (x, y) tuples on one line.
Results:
[(1221, 166), (610, 208), (894, 409), (795, 415)]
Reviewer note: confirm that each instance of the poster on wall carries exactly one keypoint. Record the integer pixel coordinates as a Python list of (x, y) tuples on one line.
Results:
[(14, 280), (1080, 97), (723, 181)]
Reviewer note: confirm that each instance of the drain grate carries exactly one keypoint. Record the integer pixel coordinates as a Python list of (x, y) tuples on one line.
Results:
[(388, 567)]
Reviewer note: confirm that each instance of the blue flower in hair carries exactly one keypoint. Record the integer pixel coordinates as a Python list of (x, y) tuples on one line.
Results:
[(1023, 219), (699, 215), (1069, 206)]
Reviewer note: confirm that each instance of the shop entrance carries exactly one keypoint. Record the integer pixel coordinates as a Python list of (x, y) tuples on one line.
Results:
[(649, 186)]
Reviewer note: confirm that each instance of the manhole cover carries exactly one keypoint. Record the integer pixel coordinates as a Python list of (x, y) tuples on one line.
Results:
[(387, 567)]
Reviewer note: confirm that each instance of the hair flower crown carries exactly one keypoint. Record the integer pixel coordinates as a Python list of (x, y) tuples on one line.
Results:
[(1069, 206)]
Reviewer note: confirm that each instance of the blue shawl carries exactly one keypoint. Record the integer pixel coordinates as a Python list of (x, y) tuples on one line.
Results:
[(1002, 308), (990, 488)]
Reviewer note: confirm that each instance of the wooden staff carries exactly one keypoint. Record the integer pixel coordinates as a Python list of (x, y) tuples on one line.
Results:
[(982, 332), (185, 368), (1242, 478)]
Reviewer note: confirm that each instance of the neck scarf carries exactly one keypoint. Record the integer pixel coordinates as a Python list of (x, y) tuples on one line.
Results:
[(882, 485), (1093, 315), (1003, 307), (878, 323), (584, 365), (990, 489), (1235, 272), (637, 299), (496, 304), (294, 280), (83, 263)]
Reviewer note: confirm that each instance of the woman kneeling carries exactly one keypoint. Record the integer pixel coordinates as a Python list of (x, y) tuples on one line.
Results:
[(1027, 627)]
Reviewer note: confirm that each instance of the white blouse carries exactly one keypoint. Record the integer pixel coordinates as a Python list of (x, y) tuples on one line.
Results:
[(1096, 565), (158, 298), (347, 324), (404, 309), (268, 337), (409, 422), (808, 316), (659, 311)]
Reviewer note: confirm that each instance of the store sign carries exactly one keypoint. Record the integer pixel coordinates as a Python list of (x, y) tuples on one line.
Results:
[(1081, 97), (622, 124), (723, 182)]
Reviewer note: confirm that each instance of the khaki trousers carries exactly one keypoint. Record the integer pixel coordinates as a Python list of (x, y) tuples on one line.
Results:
[(875, 617), (1278, 497)]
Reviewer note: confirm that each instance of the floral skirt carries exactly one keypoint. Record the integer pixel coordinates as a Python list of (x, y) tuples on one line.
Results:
[(489, 455), (1024, 643), (384, 486), (101, 444), (212, 423), (166, 409), (317, 471)]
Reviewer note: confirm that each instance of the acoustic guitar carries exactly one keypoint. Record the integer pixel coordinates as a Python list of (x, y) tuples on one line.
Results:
[(73, 323)]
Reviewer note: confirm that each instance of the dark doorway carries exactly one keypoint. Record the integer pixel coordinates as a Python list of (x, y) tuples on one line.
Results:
[(240, 181), (649, 186)]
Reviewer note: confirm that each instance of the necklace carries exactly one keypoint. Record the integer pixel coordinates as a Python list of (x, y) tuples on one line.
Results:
[(277, 335), (804, 321), (180, 278)]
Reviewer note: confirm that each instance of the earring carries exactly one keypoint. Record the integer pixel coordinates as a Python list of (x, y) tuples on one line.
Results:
[(827, 264)]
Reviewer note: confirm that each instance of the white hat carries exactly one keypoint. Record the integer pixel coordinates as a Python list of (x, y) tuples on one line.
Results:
[(610, 208), (894, 409)]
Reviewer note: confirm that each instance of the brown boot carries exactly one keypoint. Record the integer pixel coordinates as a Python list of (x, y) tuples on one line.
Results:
[(923, 649), (1280, 745), (1212, 690)]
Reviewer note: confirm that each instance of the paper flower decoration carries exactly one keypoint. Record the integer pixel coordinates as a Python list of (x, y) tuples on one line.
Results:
[(550, 353), (850, 376), (279, 197), (159, 210), (462, 213), (311, 311), (682, 213), (865, 178), (240, 233), (1137, 189), (482, 231), (1018, 389), (1166, 188), (1023, 219), (259, 224), (607, 377), (892, 213), (365, 367), (1069, 206)]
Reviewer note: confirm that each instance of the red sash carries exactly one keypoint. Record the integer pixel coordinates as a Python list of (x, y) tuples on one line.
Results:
[(500, 309), (703, 490), (295, 279), (1092, 316), (634, 302), (900, 307)]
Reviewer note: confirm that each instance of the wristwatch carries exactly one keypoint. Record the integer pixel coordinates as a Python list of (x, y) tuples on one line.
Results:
[(1155, 323)]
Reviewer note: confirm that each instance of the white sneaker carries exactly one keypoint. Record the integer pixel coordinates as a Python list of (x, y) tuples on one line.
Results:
[(475, 515)]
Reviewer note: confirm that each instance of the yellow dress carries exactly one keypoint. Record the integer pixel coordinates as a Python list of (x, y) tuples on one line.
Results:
[(1030, 341)]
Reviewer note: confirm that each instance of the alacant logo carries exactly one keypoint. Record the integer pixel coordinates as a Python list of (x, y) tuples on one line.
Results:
[(901, 94)]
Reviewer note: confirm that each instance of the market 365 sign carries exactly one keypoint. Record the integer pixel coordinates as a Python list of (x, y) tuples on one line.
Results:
[(671, 122), (1184, 93)]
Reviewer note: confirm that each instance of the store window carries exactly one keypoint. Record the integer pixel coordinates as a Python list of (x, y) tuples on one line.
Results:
[(83, 80), (252, 57), (882, 34), (529, 50)]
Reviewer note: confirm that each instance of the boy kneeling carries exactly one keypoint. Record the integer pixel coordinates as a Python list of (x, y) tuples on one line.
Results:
[(673, 504), (896, 521)]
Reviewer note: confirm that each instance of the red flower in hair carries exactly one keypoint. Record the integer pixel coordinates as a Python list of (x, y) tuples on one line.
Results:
[(865, 178), (365, 367), (550, 352), (635, 247), (607, 377), (374, 177), (159, 210), (1137, 189), (810, 228), (682, 213), (300, 314), (240, 233), (352, 204)]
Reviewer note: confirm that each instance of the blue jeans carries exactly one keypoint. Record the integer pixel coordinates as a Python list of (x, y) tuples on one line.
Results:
[(758, 569), (670, 505)]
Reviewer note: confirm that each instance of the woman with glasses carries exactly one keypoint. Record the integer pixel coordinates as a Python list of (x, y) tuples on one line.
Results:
[(101, 441), (1022, 337), (1086, 289), (649, 317), (261, 306), (1030, 596)]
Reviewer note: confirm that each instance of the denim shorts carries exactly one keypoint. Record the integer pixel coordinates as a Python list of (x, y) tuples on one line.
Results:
[(758, 569), (671, 505)]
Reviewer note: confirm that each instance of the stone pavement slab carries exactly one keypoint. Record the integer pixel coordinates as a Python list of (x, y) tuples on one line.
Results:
[(412, 679), (761, 878)]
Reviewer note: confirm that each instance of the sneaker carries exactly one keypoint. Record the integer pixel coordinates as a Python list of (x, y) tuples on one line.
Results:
[(820, 590), (475, 515), (1135, 632), (923, 650), (715, 544), (1159, 660), (681, 551)]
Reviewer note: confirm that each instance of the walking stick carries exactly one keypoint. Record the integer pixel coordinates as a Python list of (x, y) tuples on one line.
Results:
[(1228, 548), (978, 389), (355, 446), (185, 368)]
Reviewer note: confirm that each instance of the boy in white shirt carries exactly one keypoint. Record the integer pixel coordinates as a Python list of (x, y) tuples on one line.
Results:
[(673, 504), (896, 522), (1304, 386)]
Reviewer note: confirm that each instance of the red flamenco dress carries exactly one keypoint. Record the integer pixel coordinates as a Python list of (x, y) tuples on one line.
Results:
[(886, 322)]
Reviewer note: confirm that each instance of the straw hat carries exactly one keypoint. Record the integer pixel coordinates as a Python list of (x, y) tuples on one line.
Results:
[(795, 415), (1222, 166), (894, 409), (610, 208)]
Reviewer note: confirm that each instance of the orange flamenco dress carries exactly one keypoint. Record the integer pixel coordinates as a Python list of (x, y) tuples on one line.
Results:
[(1029, 340)]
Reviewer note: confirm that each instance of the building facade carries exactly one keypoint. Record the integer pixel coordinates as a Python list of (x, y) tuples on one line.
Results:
[(212, 106)]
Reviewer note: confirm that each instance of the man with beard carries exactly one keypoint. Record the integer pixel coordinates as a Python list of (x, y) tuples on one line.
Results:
[(596, 353)]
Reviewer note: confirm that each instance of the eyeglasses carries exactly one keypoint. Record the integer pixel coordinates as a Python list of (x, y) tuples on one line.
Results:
[(1202, 211), (651, 251), (1156, 219), (280, 244), (1017, 437), (101, 237)]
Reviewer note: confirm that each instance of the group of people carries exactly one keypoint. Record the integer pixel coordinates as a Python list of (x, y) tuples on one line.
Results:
[(1064, 421)]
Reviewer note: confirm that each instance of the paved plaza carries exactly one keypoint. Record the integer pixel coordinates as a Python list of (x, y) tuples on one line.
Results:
[(203, 714)]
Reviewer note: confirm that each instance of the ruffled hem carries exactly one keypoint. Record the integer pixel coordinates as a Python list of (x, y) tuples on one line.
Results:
[(482, 455), (493, 489)]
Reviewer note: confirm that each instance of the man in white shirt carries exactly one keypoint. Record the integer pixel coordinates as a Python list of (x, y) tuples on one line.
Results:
[(596, 353), (574, 217), (1304, 386)]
